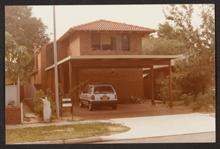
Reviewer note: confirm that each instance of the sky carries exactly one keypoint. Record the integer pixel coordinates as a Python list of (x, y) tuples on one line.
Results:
[(68, 16)]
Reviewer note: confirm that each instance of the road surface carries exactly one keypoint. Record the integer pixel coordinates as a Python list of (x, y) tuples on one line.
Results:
[(189, 138)]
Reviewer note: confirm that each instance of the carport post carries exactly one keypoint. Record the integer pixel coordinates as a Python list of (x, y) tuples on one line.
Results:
[(170, 85), (76, 79), (75, 84), (70, 85), (152, 85), (70, 75), (61, 77), (70, 79)]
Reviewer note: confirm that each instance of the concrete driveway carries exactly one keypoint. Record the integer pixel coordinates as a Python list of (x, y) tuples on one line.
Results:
[(167, 125), (151, 129), (127, 110)]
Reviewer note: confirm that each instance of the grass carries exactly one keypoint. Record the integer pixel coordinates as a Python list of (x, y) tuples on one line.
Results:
[(46, 133)]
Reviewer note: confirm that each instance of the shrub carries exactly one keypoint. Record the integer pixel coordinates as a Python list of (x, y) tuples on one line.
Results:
[(136, 100), (38, 108), (204, 102), (187, 98), (163, 89), (38, 105), (200, 102)]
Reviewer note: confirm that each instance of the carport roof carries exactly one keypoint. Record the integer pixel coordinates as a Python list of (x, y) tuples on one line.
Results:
[(125, 57), (115, 57)]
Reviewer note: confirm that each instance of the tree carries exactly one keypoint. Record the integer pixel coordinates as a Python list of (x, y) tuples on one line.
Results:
[(197, 69), (195, 74), (26, 29), (163, 46), (22, 32), (167, 42), (166, 31), (17, 60)]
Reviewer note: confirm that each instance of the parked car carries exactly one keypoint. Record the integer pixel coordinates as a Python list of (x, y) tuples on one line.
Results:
[(97, 95)]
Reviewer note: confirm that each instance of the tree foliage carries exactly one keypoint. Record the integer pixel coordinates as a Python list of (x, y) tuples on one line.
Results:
[(168, 42), (22, 32), (163, 46), (195, 72), (17, 60), (194, 75), (26, 29)]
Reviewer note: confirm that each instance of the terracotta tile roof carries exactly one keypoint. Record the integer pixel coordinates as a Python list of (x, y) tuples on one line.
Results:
[(104, 25)]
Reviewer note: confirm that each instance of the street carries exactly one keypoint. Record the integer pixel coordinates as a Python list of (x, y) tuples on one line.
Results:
[(189, 138)]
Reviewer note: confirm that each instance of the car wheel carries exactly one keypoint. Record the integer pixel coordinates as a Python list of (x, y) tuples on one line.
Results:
[(114, 106), (90, 106)]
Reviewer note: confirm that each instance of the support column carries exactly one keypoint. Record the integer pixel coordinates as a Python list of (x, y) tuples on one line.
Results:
[(70, 80), (61, 79), (70, 85), (170, 85), (152, 85), (75, 85)]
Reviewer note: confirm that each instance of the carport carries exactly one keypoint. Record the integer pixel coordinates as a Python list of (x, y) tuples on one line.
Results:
[(70, 66)]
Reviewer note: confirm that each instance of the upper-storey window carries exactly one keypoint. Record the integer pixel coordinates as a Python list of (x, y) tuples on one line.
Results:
[(96, 41), (125, 42), (109, 42)]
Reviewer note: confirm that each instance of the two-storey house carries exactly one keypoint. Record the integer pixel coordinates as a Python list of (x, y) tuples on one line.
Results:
[(99, 51)]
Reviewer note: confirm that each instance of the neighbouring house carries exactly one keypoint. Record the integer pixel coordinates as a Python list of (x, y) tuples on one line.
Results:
[(102, 51)]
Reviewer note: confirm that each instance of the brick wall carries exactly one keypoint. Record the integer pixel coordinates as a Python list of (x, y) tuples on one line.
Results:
[(127, 82), (13, 115), (62, 49), (74, 45)]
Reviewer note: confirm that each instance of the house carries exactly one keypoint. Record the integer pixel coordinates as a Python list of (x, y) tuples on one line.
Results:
[(100, 51)]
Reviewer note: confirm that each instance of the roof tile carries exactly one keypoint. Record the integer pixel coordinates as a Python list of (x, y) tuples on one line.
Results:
[(104, 25)]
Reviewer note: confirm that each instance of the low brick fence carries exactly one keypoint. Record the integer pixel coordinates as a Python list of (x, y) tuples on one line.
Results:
[(13, 115)]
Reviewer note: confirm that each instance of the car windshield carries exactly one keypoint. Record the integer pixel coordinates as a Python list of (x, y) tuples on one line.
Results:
[(103, 89)]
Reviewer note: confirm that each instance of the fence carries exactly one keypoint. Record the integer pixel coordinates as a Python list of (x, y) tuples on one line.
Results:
[(11, 94)]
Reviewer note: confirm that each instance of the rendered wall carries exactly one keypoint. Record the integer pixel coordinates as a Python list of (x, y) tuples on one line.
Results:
[(11, 94)]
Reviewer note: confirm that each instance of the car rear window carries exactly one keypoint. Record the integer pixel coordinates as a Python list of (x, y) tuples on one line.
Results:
[(103, 89)]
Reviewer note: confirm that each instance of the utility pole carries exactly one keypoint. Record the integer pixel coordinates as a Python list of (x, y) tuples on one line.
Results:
[(55, 65)]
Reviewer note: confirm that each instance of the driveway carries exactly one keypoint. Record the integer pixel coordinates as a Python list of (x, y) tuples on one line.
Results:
[(127, 110), (167, 125), (149, 128)]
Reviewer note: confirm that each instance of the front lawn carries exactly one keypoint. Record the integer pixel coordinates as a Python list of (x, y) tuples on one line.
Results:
[(45, 133)]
